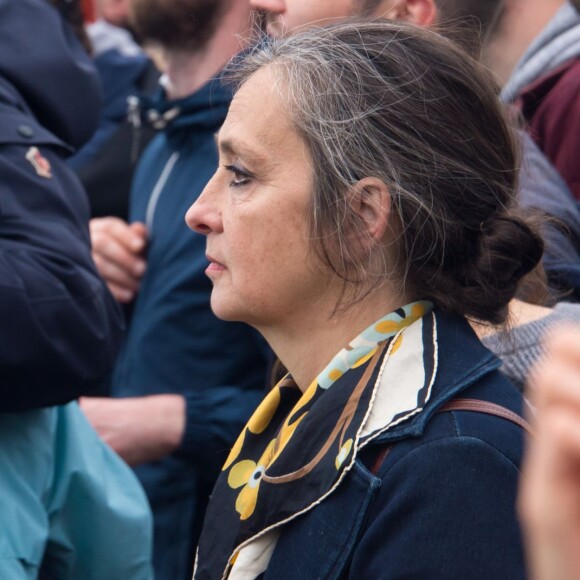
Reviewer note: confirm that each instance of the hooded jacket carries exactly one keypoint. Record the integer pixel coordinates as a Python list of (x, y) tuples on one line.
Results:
[(546, 87), (60, 325)]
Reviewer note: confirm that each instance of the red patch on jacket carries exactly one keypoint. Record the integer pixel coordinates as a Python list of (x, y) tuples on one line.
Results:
[(41, 164)]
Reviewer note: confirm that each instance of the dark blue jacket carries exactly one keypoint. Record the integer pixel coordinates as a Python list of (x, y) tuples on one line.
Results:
[(441, 506), (175, 344), (60, 327)]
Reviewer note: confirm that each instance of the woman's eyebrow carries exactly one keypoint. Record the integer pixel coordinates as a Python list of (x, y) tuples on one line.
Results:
[(233, 148)]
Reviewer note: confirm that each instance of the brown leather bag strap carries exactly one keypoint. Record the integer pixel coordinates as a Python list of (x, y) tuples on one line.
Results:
[(478, 406), (474, 405)]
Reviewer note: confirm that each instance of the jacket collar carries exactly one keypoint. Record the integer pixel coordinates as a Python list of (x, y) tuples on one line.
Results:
[(205, 109), (465, 361)]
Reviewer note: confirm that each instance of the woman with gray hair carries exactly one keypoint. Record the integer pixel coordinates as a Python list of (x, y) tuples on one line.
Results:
[(362, 211)]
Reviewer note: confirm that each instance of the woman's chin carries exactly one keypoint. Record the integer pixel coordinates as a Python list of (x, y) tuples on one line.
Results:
[(221, 313), (224, 309)]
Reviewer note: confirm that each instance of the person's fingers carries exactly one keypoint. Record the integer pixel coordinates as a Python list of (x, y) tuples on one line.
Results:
[(550, 483), (122, 294), (563, 343), (116, 260), (122, 273), (555, 382), (139, 230), (557, 374), (133, 237), (561, 427)]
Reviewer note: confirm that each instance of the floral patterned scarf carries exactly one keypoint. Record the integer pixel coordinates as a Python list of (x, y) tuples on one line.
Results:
[(297, 447)]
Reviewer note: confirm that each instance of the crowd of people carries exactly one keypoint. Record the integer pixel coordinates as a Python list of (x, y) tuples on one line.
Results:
[(289, 289)]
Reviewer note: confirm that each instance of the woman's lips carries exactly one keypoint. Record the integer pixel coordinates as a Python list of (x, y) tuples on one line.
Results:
[(214, 266)]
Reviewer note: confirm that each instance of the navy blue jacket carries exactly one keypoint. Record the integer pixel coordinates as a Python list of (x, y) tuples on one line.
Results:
[(441, 506), (60, 327), (175, 344)]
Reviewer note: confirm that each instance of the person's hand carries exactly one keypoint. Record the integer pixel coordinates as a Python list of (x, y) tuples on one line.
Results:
[(139, 429), (118, 249), (549, 502)]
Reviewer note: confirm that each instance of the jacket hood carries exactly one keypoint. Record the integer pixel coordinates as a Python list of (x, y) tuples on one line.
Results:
[(204, 110), (120, 74), (45, 63), (558, 43)]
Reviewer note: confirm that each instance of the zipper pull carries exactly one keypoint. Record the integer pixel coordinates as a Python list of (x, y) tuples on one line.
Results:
[(134, 118)]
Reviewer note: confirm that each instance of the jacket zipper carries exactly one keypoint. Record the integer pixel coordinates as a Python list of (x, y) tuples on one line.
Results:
[(157, 190)]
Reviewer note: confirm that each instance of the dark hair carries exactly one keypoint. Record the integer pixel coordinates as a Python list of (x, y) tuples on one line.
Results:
[(405, 105), (72, 12), (176, 24)]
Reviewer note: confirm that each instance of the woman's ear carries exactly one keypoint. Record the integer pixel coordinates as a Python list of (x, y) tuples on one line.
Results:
[(371, 201)]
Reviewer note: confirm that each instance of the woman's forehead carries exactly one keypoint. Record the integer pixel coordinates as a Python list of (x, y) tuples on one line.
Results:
[(260, 94), (257, 117)]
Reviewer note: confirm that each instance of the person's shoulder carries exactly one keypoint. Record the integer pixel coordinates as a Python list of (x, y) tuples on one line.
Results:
[(554, 94), (18, 125), (453, 492), (461, 429)]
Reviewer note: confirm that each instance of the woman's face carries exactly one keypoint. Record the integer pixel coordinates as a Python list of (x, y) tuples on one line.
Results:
[(254, 212)]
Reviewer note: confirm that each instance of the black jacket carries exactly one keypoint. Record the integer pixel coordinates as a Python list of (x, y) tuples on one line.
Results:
[(59, 325)]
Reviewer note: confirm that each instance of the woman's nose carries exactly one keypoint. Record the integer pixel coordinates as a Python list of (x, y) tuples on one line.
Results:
[(202, 217)]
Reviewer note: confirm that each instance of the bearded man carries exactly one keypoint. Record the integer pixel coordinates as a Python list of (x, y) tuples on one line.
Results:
[(185, 382)]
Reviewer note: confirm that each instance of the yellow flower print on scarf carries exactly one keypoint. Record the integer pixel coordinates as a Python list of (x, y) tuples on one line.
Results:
[(257, 423), (248, 474), (287, 429)]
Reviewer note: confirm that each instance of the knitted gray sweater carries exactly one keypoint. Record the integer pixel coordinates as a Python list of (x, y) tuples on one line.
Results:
[(521, 347)]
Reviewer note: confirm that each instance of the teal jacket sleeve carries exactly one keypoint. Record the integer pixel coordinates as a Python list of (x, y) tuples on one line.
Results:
[(70, 507)]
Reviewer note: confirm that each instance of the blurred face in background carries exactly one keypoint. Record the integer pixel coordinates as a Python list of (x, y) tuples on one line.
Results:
[(281, 16), (115, 12), (469, 17), (518, 24)]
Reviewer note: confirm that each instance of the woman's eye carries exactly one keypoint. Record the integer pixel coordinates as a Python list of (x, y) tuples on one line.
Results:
[(240, 177)]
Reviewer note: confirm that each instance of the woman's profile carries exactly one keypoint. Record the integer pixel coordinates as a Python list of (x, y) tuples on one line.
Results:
[(362, 211)]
